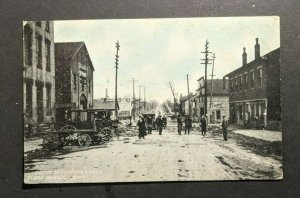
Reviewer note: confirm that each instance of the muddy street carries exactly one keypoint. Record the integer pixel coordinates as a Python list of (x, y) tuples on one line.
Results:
[(166, 157)]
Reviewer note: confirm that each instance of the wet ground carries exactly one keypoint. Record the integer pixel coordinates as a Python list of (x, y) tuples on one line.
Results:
[(169, 157)]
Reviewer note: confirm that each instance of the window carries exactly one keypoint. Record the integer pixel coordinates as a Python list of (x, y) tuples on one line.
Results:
[(230, 85), (218, 114), (47, 26), (245, 81), (252, 78), (39, 51), (241, 82), (89, 86), (29, 99), (38, 23), (259, 76), (75, 81), (48, 100), (28, 45), (48, 58)]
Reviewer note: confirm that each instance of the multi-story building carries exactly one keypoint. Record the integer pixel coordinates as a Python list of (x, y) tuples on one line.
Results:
[(74, 78), (254, 90), (217, 99), (39, 72)]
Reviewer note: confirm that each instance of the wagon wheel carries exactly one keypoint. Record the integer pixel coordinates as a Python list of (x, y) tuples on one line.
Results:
[(107, 134), (67, 128), (84, 140)]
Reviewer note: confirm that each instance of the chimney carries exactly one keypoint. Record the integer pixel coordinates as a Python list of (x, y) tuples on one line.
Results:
[(244, 56), (257, 49)]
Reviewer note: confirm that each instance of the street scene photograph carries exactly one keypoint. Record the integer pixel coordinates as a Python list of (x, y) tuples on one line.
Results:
[(152, 100)]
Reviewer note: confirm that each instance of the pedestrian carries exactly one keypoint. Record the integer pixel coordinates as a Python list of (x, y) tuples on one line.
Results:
[(179, 124), (159, 124), (188, 125), (142, 127), (149, 124), (224, 128), (203, 123), (164, 121)]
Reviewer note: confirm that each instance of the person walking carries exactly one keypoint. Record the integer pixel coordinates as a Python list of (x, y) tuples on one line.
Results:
[(149, 124), (224, 128), (188, 125), (159, 124), (203, 123), (142, 127), (179, 124), (164, 121)]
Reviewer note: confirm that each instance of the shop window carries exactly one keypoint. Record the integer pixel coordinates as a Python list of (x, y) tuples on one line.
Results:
[(218, 113)]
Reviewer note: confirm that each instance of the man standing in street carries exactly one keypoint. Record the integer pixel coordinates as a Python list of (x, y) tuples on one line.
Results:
[(159, 124), (179, 124), (203, 123), (188, 125), (224, 128)]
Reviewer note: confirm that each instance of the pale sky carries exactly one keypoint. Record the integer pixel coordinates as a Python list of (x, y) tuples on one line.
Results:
[(156, 51)]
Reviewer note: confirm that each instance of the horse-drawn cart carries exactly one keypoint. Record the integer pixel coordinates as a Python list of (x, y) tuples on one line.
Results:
[(82, 130)]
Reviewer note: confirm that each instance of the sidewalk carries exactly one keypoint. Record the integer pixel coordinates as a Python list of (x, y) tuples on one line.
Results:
[(271, 136)]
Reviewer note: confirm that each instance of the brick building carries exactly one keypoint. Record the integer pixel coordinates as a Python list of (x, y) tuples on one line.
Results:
[(74, 78), (217, 99), (254, 90), (38, 72)]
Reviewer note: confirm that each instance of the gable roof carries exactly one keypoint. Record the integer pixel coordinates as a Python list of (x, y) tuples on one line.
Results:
[(68, 50)]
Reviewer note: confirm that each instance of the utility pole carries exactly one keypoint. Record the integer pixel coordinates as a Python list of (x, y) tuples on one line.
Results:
[(188, 88), (133, 100), (206, 62), (212, 87), (139, 108), (116, 80), (144, 99)]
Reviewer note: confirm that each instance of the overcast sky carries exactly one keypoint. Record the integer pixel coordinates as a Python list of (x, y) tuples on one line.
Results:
[(156, 51)]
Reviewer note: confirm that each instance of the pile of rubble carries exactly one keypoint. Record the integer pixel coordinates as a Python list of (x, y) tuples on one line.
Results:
[(126, 131)]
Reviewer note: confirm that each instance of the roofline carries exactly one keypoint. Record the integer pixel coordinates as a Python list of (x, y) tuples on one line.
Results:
[(251, 63)]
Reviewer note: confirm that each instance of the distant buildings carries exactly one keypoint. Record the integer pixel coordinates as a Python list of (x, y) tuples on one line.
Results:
[(217, 100), (39, 72), (74, 78), (254, 90)]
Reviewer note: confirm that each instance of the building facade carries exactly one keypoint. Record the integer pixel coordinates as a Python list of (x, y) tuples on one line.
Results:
[(217, 99), (254, 90), (38, 72), (74, 78)]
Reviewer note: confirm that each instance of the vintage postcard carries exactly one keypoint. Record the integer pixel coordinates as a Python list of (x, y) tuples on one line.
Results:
[(152, 100)]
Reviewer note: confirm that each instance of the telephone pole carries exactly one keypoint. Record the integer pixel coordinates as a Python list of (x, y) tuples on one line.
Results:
[(206, 62), (212, 87), (116, 80), (133, 100), (144, 99), (188, 88)]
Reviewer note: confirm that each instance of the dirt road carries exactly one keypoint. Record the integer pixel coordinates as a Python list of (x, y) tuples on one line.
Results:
[(169, 157)]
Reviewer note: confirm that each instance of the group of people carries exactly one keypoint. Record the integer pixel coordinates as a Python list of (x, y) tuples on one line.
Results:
[(203, 124), (146, 123)]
